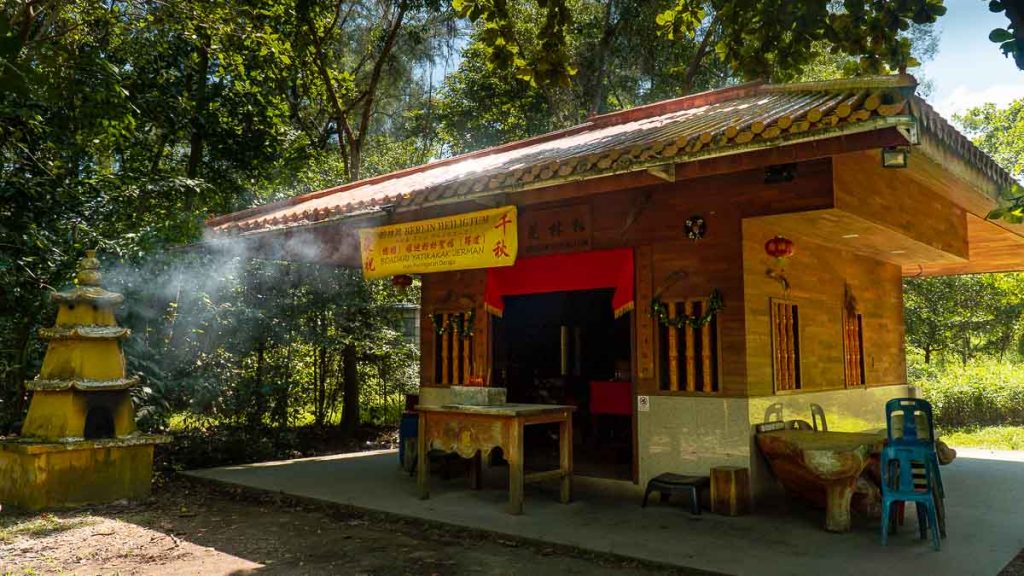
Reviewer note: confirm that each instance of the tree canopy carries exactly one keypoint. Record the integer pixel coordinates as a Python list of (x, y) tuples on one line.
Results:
[(999, 132), (124, 123)]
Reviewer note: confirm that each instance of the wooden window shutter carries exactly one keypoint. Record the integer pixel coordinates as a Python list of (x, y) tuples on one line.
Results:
[(688, 355), (453, 351), (785, 326), (853, 348)]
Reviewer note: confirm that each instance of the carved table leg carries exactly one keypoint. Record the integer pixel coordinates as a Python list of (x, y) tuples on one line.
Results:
[(515, 466), (422, 462), (837, 510), (475, 472), (565, 459)]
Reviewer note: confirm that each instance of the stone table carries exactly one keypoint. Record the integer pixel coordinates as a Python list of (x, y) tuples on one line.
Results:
[(804, 460)]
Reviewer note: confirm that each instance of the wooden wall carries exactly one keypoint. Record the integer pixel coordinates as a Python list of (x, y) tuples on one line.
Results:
[(899, 202), (650, 218), (819, 276), (453, 292)]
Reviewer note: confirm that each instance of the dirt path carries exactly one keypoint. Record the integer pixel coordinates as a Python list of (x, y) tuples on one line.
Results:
[(191, 528)]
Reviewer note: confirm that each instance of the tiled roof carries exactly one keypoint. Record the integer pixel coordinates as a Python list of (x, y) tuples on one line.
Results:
[(726, 121)]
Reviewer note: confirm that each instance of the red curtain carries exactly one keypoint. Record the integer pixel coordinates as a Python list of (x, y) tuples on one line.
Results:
[(564, 272)]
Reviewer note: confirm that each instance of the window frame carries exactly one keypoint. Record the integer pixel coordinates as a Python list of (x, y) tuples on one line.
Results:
[(439, 360), (663, 367), (857, 317), (774, 344)]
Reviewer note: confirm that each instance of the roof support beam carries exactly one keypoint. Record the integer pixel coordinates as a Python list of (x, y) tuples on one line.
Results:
[(666, 172)]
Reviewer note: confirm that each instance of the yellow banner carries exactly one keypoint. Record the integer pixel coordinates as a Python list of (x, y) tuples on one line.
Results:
[(485, 239)]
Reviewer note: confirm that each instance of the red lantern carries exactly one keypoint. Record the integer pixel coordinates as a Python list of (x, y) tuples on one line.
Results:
[(401, 281), (779, 247)]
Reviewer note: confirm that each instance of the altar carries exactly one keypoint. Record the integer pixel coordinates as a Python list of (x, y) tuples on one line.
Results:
[(473, 431)]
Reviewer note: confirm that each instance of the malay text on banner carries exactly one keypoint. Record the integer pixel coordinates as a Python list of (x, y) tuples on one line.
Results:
[(484, 239)]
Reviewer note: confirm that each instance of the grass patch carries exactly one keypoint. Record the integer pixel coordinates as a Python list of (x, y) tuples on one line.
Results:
[(992, 437), (13, 526)]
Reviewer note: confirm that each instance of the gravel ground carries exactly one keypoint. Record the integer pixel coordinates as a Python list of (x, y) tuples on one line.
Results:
[(196, 528)]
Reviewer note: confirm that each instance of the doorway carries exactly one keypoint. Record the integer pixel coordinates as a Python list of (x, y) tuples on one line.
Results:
[(568, 348)]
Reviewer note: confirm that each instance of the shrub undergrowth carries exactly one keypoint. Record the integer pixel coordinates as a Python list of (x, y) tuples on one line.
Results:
[(982, 393)]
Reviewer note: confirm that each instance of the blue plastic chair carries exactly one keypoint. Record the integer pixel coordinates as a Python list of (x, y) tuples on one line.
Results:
[(913, 412), (909, 422), (898, 464), (408, 430), (909, 410)]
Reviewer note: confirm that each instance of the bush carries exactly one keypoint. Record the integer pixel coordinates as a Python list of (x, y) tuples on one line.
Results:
[(983, 393)]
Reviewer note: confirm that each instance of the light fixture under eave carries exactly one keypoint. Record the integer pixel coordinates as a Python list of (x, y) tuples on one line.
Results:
[(895, 156), (780, 173)]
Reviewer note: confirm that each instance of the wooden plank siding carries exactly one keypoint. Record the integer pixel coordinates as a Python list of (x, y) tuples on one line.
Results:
[(730, 259), (898, 202), (650, 218), (818, 277)]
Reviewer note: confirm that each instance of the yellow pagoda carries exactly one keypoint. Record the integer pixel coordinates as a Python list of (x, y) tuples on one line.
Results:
[(79, 443)]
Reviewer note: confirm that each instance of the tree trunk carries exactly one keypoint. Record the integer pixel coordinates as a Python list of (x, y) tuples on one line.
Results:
[(259, 401), (598, 82), (283, 392), (197, 91), (698, 57), (350, 380)]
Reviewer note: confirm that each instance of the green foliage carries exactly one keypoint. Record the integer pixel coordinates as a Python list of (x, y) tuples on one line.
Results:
[(124, 124), (1011, 38), (999, 132), (619, 62), (757, 39), (990, 437), (776, 39), (964, 317), (982, 393), (251, 343), (547, 66)]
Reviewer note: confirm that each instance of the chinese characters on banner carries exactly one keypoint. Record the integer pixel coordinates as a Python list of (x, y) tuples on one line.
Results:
[(552, 230), (485, 239)]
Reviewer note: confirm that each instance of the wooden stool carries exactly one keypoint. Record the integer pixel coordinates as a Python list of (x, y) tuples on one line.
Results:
[(730, 490), (667, 484)]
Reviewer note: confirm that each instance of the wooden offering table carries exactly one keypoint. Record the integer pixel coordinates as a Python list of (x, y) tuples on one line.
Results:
[(473, 431), (806, 461)]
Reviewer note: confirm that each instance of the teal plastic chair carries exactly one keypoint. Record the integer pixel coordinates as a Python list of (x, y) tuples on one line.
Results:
[(910, 422), (898, 464), (913, 414)]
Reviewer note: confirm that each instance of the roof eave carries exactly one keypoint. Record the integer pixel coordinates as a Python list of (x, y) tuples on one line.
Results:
[(419, 202)]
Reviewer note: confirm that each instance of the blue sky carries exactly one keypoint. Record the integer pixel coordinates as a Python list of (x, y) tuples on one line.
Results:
[(968, 70)]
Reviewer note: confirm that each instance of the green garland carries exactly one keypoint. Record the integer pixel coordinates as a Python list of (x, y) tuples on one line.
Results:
[(659, 310), (460, 323)]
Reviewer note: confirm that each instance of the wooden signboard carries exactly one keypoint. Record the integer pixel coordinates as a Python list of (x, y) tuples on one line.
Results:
[(554, 230), (484, 239)]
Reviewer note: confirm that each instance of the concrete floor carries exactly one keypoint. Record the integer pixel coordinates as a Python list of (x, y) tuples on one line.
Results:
[(985, 507)]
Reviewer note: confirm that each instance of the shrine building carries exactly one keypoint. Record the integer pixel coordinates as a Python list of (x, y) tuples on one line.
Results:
[(675, 272)]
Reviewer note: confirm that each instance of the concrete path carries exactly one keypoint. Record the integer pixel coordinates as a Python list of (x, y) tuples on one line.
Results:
[(985, 507)]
